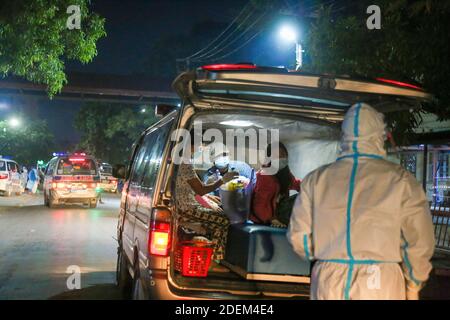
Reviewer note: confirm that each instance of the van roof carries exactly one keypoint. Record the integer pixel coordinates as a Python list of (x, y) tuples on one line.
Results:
[(244, 84)]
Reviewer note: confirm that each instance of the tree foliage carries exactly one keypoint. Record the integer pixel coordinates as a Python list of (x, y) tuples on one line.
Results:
[(109, 130), (27, 144), (412, 45), (35, 40)]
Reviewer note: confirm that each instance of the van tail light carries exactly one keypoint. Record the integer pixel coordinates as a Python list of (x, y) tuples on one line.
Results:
[(4, 176), (399, 83), (229, 67), (159, 235)]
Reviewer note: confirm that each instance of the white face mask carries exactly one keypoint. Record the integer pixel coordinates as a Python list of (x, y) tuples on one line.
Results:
[(222, 162)]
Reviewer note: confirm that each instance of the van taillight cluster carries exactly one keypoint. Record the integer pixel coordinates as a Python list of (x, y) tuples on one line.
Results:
[(159, 237), (4, 176)]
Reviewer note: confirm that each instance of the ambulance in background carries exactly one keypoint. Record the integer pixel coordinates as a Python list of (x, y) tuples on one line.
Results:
[(107, 182), (71, 178)]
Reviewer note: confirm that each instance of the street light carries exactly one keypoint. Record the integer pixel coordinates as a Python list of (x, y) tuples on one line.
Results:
[(14, 122), (289, 34)]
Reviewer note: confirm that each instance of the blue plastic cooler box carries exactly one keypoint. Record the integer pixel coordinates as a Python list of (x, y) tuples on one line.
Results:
[(247, 255)]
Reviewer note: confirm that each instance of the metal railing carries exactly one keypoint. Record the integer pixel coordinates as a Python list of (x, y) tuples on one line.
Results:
[(441, 220)]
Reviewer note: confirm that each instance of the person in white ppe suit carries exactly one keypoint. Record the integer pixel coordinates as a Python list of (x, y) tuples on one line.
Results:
[(363, 220)]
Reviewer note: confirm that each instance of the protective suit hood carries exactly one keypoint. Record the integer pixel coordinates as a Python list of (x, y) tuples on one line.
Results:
[(363, 131)]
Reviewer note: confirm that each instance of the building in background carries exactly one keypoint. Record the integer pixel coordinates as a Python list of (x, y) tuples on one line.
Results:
[(429, 159)]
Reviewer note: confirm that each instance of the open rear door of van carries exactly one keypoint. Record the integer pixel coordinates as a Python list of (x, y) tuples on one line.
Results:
[(278, 91), (317, 96)]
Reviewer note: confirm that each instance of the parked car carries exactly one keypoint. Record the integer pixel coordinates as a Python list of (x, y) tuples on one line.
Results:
[(71, 178), (305, 109), (108, 183), (10, 178)]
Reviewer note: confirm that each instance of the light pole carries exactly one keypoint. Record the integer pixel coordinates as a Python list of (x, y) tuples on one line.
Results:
[(289, 34)]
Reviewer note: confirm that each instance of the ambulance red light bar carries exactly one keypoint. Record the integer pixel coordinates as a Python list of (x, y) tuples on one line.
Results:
[(77, 159), (229, 67), (399, 83)]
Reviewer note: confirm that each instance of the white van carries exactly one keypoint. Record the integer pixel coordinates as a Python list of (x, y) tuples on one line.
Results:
[(71, 178), (10, 181), (306, 110)]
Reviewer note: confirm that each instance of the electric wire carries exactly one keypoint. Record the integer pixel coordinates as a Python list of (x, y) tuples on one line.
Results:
[(243, 34), (221, 34), (219, 47)]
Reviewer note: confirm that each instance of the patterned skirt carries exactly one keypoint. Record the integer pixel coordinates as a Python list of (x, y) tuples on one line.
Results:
[(215, 223)]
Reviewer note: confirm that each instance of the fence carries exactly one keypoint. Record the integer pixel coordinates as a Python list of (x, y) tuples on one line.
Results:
[(441, 220)]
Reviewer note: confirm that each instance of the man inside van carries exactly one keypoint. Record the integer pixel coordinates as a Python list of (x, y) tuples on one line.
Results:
[(364, 220), (222, 164)]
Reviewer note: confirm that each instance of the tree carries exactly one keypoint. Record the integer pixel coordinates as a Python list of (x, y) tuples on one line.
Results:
[(26, 144), (35, 40), (109, 130), (412, 45)]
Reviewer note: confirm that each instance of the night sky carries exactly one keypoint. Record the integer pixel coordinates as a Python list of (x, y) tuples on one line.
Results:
[(132, 27)]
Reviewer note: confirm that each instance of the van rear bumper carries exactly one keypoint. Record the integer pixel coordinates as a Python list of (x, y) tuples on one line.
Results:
[(160, 288), (72, 197)]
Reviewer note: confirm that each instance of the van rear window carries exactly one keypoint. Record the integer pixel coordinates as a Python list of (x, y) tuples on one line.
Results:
[(106, 169), (2, 166), (67, 166)]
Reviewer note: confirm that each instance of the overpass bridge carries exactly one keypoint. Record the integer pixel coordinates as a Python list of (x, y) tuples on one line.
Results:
[(132, 89)]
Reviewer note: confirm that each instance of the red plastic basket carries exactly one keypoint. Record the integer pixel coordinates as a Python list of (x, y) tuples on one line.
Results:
[(193, 259)]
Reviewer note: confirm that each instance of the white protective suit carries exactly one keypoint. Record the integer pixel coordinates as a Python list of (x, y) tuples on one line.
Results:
[(364, 220)]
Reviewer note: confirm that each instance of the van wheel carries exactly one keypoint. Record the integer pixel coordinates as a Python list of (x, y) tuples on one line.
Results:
[(93, 203), (123, 277), (46, 200)]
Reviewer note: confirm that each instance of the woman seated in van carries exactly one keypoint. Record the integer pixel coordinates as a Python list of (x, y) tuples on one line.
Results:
[(271, 201), (187, 189)]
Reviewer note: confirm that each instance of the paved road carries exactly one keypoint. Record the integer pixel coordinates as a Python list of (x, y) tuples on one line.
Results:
[(38, 244)]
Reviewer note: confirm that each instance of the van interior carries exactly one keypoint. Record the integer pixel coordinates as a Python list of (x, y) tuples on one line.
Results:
[(310, 144)]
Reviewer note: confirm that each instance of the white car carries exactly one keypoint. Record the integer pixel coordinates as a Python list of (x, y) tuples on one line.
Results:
[(71, 178), (107, 182), (10, 179)]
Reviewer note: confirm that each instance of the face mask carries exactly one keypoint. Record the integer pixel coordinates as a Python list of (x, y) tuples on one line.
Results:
[(222, 162)]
